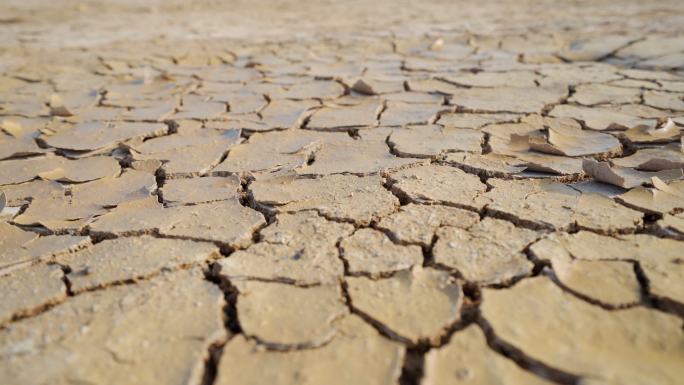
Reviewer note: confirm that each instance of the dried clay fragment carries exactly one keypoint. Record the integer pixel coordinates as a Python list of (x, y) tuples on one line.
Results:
[(625, 177), (573, 143), (594, 94), (72, 212), (414, 97), (298, 248), (20, 139), (189, 152), (672, 226), (200, 190), (200, 107), (432, 85), (600, 118), (556, 206), (438, 184), (371, 252), (474, 121), (226, 223), (28, 290), (432, 141), (366, 156), (507, 99), (519, 79), (342, 118), (282, 263), (416, 224), (560, 330), (130, 259), (22, 248), (659, 259), (489, 252), (283, 316), (668, 132), (284, 114), (288, 149), (662, 199), (319, 89), (60, 169), (654, 159), (17, 148), (517, 140), (468, 359), (593, 187), (400, 114), (613, 284), (343, 197), (413, 305), (98, 135), (571, 74), (490, 165), (664, 100), (126, 334), (594, 48), (665, 284), (357, 355)]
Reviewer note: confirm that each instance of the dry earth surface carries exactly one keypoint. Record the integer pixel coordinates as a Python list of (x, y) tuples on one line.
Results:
[(341, 192)]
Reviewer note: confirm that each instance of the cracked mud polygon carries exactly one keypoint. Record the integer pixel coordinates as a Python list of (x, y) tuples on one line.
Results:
[(342, 192)]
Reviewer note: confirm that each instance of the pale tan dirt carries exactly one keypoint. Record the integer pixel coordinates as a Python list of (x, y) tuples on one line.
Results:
[(341, 192)]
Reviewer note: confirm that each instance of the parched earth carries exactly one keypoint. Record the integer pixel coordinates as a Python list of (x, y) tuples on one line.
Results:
[(341, 192)]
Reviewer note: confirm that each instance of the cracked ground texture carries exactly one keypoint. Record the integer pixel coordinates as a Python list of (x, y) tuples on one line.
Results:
[(341, 192)]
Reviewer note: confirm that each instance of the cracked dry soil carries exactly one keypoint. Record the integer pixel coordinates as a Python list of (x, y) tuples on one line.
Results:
[(342, 192)]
